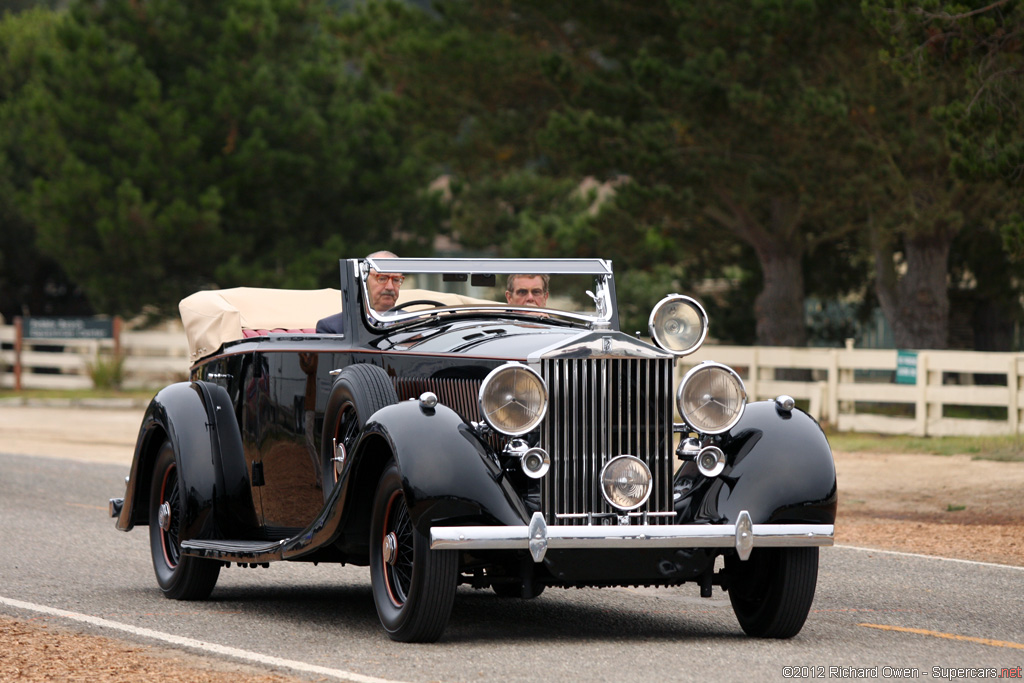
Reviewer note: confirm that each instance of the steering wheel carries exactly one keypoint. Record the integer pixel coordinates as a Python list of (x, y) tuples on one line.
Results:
[(418, 302)]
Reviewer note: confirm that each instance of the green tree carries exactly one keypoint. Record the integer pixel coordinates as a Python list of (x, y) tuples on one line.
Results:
[(30, 283), (734, 124), (735, 145), (708, 121), (919, 205), (985, 296), (179, 144), (474, 83), (15, 6), (474, 97), (912, 206), (977, 45), (729, 117)]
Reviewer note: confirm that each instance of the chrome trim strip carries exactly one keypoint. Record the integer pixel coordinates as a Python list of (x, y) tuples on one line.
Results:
[(492, 266), (388, 319), (603, 344), (539, 536), (612, 515)]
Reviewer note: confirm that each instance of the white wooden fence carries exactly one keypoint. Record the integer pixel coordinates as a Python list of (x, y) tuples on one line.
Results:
[(968, 393), (151, 359), (956, 392)]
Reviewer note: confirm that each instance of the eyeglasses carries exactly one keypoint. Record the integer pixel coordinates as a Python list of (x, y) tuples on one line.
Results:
[(383, 279), (537, 293)]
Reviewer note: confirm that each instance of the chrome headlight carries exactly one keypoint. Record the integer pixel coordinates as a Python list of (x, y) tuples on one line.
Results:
[(678, 324), (626, 482), (711, 398), (513, 399)]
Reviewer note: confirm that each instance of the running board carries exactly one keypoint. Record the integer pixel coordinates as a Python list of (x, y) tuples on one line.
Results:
[(319, 534), (252, 552)]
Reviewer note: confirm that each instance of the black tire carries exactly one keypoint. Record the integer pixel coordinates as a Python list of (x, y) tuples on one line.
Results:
[(413, 586), (359, 392), (771, 593), (180, 578)]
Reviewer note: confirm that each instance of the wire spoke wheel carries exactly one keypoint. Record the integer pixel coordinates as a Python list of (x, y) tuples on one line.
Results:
[(413, 586), (345, 432), (359, 392), (180, 578), (167, 516), (398, 550)]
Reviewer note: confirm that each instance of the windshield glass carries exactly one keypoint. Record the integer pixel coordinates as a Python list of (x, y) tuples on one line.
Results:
[(554, 287)]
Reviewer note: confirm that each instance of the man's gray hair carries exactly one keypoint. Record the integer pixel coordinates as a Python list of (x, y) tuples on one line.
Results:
[(512, 280)]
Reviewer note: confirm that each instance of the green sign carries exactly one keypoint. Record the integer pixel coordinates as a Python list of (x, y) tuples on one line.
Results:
[(69, 328), (906, 367)]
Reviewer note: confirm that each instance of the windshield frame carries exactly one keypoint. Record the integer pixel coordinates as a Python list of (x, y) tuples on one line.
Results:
[(603, 294)]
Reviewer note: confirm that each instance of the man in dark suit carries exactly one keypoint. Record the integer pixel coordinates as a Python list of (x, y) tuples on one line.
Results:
[(382, 288)]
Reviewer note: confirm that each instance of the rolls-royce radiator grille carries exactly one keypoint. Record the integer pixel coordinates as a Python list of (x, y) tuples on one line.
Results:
[(599, 409)]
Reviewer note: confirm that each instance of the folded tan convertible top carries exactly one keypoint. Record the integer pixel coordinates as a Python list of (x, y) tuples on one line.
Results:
[(213, 317), (216, 316)]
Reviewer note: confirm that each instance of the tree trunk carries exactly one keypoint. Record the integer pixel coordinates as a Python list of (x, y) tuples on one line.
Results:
[(916, 302), (779, 308)]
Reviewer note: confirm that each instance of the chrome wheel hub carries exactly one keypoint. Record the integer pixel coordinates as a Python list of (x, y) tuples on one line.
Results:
[(340, 456), (390, 549), (163, 516)]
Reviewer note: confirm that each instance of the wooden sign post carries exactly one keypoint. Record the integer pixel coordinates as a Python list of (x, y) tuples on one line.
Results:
[(57, 328)]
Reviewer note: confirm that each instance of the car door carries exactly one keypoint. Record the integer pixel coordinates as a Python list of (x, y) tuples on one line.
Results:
[(287, 449)]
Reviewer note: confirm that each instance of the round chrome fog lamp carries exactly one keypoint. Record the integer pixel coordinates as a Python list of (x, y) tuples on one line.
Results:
[(711, 461), (711, 398), (678, 324), (535, 463), (626, 482), (513, 399)]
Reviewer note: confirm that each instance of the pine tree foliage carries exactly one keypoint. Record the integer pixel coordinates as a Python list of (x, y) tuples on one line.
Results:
[(179, 144)]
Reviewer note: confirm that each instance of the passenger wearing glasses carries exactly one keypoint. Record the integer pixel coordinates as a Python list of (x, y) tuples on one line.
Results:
[(527, 290), (382, 288)]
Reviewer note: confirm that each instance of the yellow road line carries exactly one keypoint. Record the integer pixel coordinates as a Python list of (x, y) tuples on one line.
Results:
[(950, 636)]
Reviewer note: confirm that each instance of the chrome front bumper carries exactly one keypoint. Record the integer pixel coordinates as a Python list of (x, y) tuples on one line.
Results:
[(538, 536)]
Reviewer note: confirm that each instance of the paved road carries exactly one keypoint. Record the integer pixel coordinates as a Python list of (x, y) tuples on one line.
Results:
[(873, 609)]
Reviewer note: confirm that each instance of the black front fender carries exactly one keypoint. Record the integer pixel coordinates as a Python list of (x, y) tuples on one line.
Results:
[(780, 469), (198, 420), (449, 474)]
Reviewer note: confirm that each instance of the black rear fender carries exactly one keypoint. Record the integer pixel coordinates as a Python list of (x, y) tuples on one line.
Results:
[(198, 419)]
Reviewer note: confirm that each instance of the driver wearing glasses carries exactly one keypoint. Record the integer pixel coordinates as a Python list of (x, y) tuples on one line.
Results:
[(527, 290), (382, 288)]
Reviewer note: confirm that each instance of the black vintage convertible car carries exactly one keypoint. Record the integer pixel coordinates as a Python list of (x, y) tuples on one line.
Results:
[(459, 439)]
